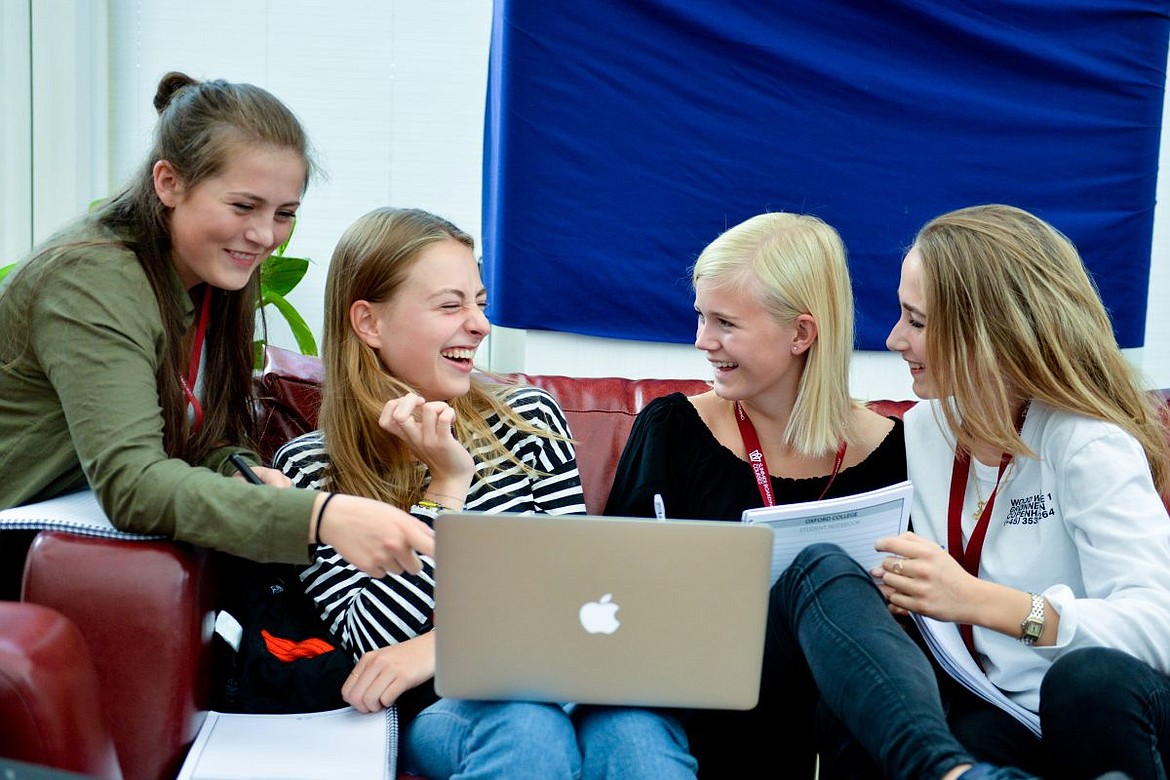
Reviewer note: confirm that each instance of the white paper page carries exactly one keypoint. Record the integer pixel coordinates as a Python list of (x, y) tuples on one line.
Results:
[(854, 522), (312, 746), (946, 643), (77, 513)]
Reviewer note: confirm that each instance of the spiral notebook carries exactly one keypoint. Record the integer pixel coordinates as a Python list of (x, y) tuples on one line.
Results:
[(309, 746), (600, 610), (77, 513)]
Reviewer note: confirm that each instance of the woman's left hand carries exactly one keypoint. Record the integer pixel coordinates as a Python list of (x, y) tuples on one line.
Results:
[(922, 577), (382, 675)]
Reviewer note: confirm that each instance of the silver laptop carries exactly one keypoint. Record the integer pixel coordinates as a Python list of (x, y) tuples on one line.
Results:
[(600, 610)]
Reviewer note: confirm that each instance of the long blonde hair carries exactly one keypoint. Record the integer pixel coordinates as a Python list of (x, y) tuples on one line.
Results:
[(795, 264), (1013, 315), (372, 260)]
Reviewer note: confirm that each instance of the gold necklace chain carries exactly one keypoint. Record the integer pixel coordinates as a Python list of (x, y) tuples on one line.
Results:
[(980, 501)]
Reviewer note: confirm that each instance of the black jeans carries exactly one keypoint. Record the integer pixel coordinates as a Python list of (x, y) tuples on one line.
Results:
[(1103, 710), (828, 620)]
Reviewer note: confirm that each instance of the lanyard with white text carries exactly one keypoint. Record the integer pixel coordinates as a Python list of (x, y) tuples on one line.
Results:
[(755, 455), (970, 556), (196, 357)]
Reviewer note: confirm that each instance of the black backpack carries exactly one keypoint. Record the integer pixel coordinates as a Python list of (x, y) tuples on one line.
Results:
[(270, 597)]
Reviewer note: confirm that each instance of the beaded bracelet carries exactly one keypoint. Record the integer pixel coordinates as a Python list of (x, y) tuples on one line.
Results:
[(427, 511)]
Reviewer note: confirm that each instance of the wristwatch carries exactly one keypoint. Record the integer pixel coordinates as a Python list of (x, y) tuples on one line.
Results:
[(1033, 625)]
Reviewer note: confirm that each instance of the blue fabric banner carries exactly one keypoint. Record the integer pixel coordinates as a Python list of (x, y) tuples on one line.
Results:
[(624, 135)]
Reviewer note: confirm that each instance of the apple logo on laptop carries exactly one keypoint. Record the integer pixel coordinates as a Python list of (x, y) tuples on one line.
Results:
[(600, 617)]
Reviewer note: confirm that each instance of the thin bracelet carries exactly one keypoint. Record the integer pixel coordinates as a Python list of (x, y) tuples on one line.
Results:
[(321, 517), (441, 495)]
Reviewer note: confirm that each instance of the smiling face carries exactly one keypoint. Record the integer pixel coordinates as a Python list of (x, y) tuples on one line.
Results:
[(427, 333), (751, 353), (225, 226), (908, 336)]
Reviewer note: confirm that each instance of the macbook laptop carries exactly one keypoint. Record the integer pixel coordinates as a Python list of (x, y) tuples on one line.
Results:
[(600, 610)]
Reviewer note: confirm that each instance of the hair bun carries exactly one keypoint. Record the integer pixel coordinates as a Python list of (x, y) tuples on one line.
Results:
[(169, 86)]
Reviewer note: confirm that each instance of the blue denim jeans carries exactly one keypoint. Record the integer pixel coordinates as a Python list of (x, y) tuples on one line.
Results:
[(455, 738), (1103, 710), (630, 742), (828, 620)]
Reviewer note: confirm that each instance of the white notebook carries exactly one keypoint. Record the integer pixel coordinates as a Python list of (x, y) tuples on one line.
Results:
[(853, 522), (946, 643), (78, 513), (313, 746)]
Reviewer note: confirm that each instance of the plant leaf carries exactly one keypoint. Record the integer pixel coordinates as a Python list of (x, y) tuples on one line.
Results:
[(6, 270), (258, 354), (280, 249), (279, 274), (300, 330)]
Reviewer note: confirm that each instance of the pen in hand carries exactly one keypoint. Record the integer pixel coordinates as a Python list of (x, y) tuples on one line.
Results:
[(243, 467)]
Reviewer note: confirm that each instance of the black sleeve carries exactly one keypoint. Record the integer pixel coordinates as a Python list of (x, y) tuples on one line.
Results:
[(647, 465)]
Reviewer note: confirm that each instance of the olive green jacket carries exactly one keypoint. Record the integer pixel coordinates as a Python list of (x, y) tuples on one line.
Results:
[(80, 349)]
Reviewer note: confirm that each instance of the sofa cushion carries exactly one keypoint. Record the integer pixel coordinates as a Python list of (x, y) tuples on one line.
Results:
[(289, 391), (144, 609), (601, 412)]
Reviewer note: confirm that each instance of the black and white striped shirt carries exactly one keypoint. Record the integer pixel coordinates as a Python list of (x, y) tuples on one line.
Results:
[(367, 613)]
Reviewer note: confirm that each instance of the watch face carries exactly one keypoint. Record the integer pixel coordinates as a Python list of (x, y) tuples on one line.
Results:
[(1033, 624), (1032, 629)]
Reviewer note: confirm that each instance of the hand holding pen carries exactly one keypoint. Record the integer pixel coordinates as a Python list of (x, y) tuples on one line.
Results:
[(270, 476)]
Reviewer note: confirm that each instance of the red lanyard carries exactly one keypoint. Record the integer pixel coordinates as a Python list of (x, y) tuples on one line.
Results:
[(970, 556), (196, 357), (755, 454)]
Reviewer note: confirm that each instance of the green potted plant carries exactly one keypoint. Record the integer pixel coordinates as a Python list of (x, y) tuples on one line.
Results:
[(279, 275)]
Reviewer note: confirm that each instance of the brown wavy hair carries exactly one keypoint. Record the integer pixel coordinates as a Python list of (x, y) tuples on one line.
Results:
[(200, 126), (1012, 315), (371, 261)]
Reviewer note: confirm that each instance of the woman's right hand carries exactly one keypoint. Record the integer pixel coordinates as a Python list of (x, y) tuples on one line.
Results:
[(270, 476), (382, 675), (426, 428), (374, 536)]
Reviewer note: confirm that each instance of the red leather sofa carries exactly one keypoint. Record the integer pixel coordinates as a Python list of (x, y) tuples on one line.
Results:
[(144, 610)]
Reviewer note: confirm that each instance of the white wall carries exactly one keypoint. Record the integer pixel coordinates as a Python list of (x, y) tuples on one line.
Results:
[(54, 141), (1154, 358), (392, 92), (392, 95), (15, 132)]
